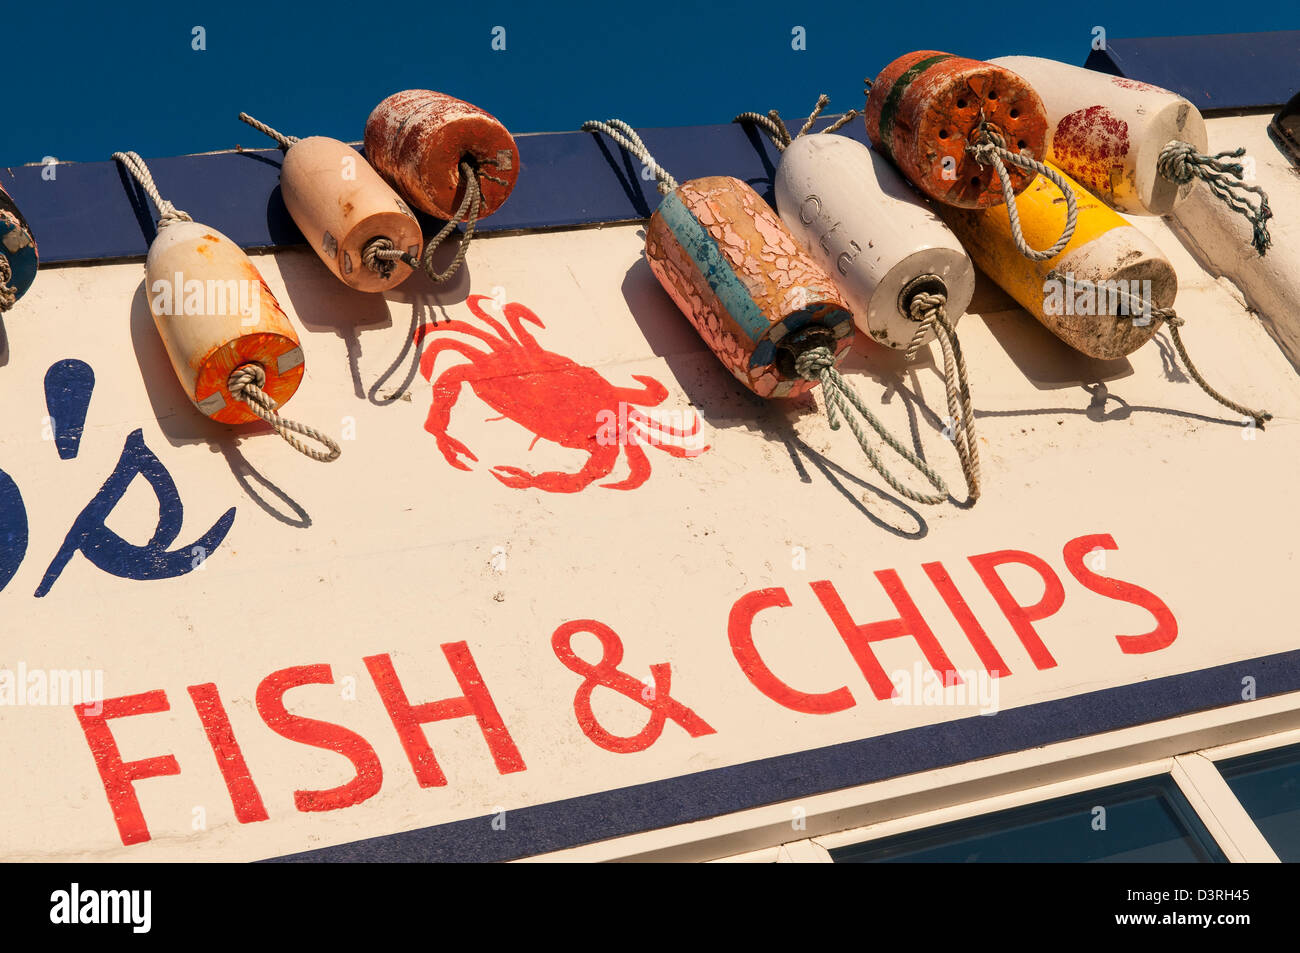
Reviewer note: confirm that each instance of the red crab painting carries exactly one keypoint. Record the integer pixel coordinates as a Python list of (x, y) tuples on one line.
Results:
[(556, 398)]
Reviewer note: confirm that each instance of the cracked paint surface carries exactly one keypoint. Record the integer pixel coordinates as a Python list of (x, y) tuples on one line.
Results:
[(771, 285), (417, 138)]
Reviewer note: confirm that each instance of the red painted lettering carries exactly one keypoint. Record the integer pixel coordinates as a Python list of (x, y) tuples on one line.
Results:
[(1022, 617), (1166, 629), (230, 759)]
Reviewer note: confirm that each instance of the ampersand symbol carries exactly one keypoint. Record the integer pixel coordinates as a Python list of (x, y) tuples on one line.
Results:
[(655, 698)]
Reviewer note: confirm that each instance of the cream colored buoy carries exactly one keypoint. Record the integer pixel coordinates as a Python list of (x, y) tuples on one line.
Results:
[(1138, 147), (878, 239), (232, 347), (1107, 132), (346, 211)]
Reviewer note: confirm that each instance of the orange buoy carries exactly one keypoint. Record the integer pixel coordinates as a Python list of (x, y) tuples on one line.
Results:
[(417, 139), (232, 347), (18, 255), (345, 210), (926, 107), (214, 313)]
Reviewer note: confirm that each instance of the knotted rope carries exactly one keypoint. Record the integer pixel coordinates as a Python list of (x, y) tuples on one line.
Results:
[(1181, 162), (930, 311), (626, 137), (246, 383), (284, 141), (1139, 305), (779, 133), (380, 253), (8, 295), (818, 364), (168, 214), (990, 148)]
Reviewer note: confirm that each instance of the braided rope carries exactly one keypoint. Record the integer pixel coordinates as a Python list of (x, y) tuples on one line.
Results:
[(779, 133), (380, 252), (168, 214), (284, 141), (246, 383), (1181, 162), (818, 364), (1139, 305), (930, 310), (626, 137), (8, 295), (991, 149)]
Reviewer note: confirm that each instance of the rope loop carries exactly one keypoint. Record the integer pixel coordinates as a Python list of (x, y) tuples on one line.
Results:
[(990, 149), (627, 137), (246, 382), (1138, 305), (284, 141), (818, 364), (929, 310), (168, 214), (1181, 162), (380, 254)]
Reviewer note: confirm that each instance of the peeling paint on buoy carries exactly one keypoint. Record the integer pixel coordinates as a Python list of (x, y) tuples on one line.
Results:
[(742, 279), (17, 245), (417, 139), (926, 107)]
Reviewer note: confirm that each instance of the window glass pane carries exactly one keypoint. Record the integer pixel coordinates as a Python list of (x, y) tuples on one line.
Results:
[(1140, 821), (1267, 784)]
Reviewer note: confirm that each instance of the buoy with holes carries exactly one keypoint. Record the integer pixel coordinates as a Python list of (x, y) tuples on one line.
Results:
[(966, 133), (902, 271), (18, 254), (447, 157), (770, 313), (232, 347), (1138, 147), (1105, 294), (345, 210)]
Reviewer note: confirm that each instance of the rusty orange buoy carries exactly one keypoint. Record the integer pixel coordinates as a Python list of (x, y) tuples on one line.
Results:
[(926, 107), (18, 256), (418, 138)]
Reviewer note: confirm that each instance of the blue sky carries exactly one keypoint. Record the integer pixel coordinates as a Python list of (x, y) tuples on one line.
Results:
[(87, 79)]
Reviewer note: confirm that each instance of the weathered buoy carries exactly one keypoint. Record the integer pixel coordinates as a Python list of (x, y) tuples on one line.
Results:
[(878, 240), (1138, 147), (18, 254), (904, 274), (417, 139), (926, 107), (232, 347), (214, 313), (345, 210), (1105, 294), (769, 312), (742, 280), (1104, 249)]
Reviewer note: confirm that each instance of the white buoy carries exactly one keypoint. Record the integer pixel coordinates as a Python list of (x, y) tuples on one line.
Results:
[(1107, 132), (876, 237)]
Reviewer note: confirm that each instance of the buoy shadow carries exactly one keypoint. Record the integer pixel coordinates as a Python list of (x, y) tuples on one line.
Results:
[(1045, 360), (181, 422), (726, 404)]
